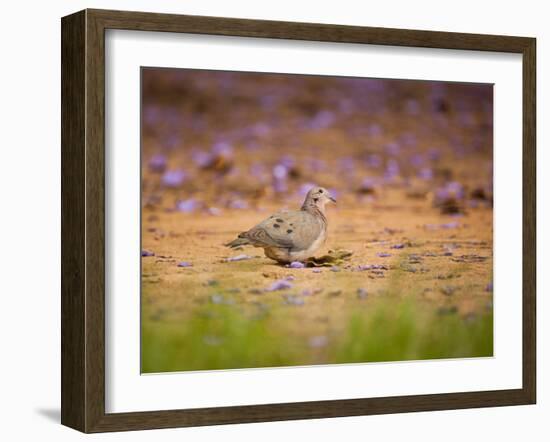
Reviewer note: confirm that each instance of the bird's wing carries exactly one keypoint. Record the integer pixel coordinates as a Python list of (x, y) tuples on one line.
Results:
[(296, 230)]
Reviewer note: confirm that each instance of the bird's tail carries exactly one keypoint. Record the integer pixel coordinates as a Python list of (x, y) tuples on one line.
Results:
[(241, 240)]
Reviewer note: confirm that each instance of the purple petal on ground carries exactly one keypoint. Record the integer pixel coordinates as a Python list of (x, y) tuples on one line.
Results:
[(239, 258), (147, 253), (397, 246), (347, 164), (452, 225), (185, 264), (280, 172), (281, 284), (223, 149), (290, 278), (173, 178), (307, 292), (417, 160), (392, 149), (374, 161), (297, 265), (261, 129), (316, 270), (375, 130), (187, 206), (287, 161), (322, 120), (238, 204), (364, 267), (426, 173), (392, 169), (489, 287), (383, 255), (280, 186), (316, 164), (157, 163), (202, 158)]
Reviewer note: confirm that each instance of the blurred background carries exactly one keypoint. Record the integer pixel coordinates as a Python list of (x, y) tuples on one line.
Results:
[(215, 140)]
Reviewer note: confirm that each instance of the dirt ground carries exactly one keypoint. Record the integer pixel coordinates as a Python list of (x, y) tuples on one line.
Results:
[(447, 267)]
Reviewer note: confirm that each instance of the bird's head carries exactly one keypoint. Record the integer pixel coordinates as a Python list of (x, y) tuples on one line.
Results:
[(318, 196)]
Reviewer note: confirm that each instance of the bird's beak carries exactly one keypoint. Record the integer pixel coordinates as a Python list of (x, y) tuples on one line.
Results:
[(332, 199)]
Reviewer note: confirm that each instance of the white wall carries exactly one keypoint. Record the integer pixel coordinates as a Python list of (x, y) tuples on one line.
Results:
[(30, 216)]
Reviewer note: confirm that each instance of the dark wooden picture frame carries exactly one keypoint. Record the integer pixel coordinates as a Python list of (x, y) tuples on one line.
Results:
[(83, 220)]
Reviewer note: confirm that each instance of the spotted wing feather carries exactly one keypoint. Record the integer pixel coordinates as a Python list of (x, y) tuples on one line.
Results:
[(295, 230)]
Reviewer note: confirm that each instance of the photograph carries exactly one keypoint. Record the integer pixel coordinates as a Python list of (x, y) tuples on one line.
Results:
[(303, 220)]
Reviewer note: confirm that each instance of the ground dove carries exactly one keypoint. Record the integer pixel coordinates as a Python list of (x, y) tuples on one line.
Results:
[(294, 235)]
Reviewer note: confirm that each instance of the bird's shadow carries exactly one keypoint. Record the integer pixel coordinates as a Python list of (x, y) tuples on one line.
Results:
[(52, 414)]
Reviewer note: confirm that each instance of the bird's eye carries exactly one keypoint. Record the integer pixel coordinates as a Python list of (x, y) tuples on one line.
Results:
[(320, 190)]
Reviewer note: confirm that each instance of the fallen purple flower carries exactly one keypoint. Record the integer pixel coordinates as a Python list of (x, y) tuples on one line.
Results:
[(372, 267), (296, 265), (392, 149), (223, 149), (157, 163), (489, 287), (280, 172), (397, 246), (281, 284), (374, 161), (452, 225), (280, 186), (185, 264), (173, 178), (238, 204), (187, 206), (426, 173), (288, 161), (322, 120), (147, 253), (375, 130), (316, 270), (383, 255), (201, 158)]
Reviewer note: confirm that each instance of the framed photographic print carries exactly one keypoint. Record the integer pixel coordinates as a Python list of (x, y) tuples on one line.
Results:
[(269, 220)]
